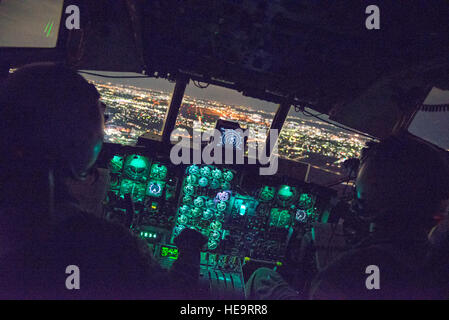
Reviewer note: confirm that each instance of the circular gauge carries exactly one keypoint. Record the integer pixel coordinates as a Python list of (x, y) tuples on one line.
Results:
[(216, 174), (212, 244), (136, 167), (208, 214), (305, 201), (182, 219), (219, 215), (222, 196), (196, 212), (226, 185), (158, 171), (193, 169), (215, 235), (215, 184), (216, 225), (192, 180), (178, 229), (205, 172), (154, 189), (210, 204), (203, 182), (187, 199), (286, 195), (185, 209), (116, 164), (228, 176), (301, 215), (199, 202), (189, 189), (266, 193), (221, 206)]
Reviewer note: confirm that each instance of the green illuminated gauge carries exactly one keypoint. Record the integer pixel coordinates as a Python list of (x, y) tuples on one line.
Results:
[(286, 195), (192, 180), (185, 210), (219, 215), (305, 201), (178, 229), (203, 182), (155, 188), (116, 164), (226, 186), (135, 189), (136, 167), (208, 214), (182, 219), (280, 218), (210, 204), (187, 199), (215, 235), (189, 189), (158, 171), (199, 202), (216, 174), (215, 184), (193, 169), (205, 172), (267, 193), (212, 244), (221, 206), (197, 212), (228, 176), (216, 225)]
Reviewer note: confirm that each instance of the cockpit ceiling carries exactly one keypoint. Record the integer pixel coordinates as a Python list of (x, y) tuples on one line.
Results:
[(314, 53)]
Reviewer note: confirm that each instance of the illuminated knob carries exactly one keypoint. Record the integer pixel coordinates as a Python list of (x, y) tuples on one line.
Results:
[(189, 189), (192, 180), (199, 202), (222, 196), (159, 171), (185, 209), (221, 206), (178, 229), (216, 225), (183, 219), (228, 175), (187, 199), (219, 215), (214, 235), (196, 212), (205, 172), (216, 174), (203, 182), (208, 214), (193, 169), (215, 184), (226, 185), (212, 244), (210, 204)]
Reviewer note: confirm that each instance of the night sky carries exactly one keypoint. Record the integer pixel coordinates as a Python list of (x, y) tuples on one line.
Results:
[(432, 126)]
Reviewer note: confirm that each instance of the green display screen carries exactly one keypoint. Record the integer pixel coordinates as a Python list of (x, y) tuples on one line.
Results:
[(169, 252)]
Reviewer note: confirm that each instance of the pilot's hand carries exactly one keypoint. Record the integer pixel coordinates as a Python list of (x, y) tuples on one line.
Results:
[(190, 239)]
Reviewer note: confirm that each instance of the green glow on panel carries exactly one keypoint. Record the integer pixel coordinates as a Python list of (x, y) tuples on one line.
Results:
[(285, 192)]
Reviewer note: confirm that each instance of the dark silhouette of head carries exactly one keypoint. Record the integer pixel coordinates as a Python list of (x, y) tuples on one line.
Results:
[(51, 122), (402, 183)]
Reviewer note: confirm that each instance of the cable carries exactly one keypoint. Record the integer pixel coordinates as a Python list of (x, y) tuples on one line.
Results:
[(114, 77), (336, 125)]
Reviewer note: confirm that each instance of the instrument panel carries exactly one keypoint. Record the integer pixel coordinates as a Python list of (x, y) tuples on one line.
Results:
[(243, 215)]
